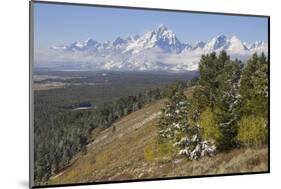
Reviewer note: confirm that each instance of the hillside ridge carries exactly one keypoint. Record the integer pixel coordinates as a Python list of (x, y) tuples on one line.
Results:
[(117, 153)]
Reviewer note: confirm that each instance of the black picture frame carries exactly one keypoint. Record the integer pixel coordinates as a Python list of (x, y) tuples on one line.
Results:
[(31, 53)]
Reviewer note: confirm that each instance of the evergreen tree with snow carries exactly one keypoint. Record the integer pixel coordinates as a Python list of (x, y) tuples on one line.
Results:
[(253, 126), (173, 121), (175, 127), (210, 67), (218, 93), (228, 103), (225, 101), (254, 87)]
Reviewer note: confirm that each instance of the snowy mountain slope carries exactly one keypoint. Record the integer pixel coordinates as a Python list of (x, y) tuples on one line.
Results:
[(157, 50), (162, 38)]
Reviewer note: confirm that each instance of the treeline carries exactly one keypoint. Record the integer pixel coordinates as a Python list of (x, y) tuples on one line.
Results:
[(111, 111), (125, 105), (228, 109), (59, 133)]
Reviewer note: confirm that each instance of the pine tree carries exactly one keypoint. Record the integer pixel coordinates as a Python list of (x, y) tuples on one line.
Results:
[(210, 67), (175, 127), (218, 90), (254, 87), (173, 121), (228, 102), (253, 125)]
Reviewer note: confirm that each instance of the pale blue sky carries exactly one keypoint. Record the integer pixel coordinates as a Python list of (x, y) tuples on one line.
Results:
[(62, 24)]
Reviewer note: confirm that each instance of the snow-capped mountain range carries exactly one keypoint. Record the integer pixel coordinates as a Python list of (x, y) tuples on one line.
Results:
[(157, 50)]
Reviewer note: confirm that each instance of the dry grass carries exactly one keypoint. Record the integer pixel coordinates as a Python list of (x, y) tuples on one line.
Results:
[(120, 155), (235, 161), (188, 93), (115, 155)]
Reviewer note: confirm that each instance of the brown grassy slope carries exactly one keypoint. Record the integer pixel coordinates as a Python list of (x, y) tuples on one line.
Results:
[(119, 155), (112, 152)]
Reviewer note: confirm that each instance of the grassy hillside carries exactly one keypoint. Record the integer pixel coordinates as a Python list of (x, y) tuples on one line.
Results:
[(60, 131), (119, 153)]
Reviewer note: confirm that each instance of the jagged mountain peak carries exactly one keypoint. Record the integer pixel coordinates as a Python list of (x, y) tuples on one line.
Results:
[(119, 41), (90, 41), (218, 42), (161, 37), (158, 49), (88, 44), (198, 45), (220, 37), (162, 27), (163, 31)]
